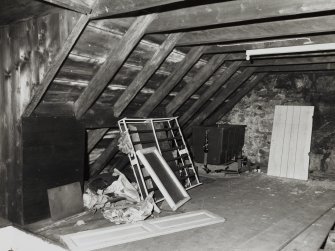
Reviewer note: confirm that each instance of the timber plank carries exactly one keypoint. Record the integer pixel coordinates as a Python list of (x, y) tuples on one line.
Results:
[(313, 237), (171, 81), (148, 70), (112, 64), (222, 79), (57, 63), (197, 81)]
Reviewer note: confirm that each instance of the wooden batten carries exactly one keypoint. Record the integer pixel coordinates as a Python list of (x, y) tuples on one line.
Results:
[(148, 70), (171, 81), (218, 82), (198, 80), (112, 64)]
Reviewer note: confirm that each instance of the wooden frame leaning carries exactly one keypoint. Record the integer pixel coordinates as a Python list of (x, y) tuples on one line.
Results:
[(172, 190)]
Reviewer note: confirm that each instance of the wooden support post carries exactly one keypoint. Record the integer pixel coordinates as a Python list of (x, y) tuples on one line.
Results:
[(171, 81), (218, 82), (148, 70), (235, 99), (197, 81), (112, 64), (94, 136), (57, 63), (233, 84), (75, 5)]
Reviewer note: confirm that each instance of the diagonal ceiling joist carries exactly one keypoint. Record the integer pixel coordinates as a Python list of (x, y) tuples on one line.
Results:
[(112, 64), (75, 5), (171, 81), (148, 70), (218, 82), (94, 136), (232, 85), (265, 30), (226, 107), (57, 63), (235, 11), (196, 82)]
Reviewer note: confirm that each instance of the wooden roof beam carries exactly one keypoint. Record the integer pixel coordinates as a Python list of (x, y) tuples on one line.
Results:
[(146, 73), (112, 64), (94, 136), (226, 107), (75, 5), (218, 82), (235, 11), (56, 64), (107, 8), (265, 30), (171, 81), (233, 84), (197, 81)]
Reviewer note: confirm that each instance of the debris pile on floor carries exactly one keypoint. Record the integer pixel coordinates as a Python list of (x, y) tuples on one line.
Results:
[(119, 201)]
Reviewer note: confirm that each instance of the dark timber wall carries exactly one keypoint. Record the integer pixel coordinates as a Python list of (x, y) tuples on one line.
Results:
[(26, 50), (53, 155)]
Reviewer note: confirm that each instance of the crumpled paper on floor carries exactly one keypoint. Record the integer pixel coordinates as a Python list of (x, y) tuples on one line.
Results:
[(126, 211), (131, 213)]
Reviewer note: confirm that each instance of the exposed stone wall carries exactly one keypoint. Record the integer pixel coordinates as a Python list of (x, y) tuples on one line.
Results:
[(256, 110)]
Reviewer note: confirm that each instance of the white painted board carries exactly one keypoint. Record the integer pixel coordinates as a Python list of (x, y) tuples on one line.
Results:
[(119, 234), (290, 142)]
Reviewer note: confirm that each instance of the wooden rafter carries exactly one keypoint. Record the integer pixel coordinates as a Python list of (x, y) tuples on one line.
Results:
[(235, 99), (57, 63), (233, 84), (171, 81), (148, 70), (75, 5), (106, 8), (294, 60), (106, 156), (266, 30), (218, 82), (112, 64), (235, 11), (197, 81), (94, 136)]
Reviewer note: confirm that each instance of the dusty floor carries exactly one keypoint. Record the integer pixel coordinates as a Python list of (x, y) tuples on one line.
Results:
[(261, 212)]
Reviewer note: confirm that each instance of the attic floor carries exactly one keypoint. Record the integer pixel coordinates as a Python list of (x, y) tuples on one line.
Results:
[(254, 205)]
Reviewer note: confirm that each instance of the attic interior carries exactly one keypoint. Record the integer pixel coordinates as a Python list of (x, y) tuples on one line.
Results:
[(232, 100)]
